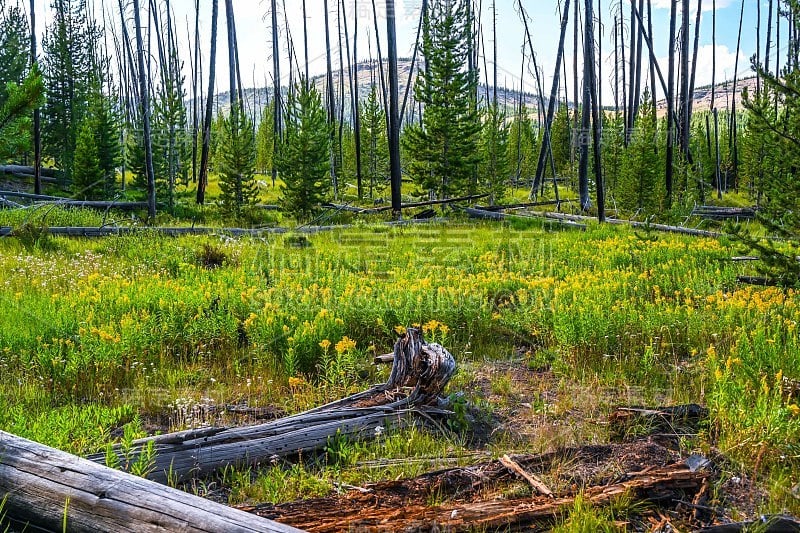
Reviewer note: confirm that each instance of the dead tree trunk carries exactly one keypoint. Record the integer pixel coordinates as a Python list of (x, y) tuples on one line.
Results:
[(419, 374), (53, 490), (671, 104), (144, 103), (394, 112), (203, 180), (37, 127), (551, 104)]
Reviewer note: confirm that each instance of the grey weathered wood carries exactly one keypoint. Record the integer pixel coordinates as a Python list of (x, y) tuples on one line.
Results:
[(42, 485), (29, 171), (634, 224), (493, 215), (419, 375)]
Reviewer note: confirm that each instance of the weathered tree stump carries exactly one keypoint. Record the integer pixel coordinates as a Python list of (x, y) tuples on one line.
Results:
[(419, 375)]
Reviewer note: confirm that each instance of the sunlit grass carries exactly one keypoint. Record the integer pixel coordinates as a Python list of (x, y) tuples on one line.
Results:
[(95, 331)]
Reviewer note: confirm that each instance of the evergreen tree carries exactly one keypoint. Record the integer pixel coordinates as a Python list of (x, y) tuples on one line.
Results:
[(14, 47), (639, 186), (14, 70), (303, 161), (561, 142), (614, 149), (101, 119), (522, 147), (265, 140), (15, 112), (444, 146), (374, 143), (237, 164), (67, 67), (493, 167), (88, 178)]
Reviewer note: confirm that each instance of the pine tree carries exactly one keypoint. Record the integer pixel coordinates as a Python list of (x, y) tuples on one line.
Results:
[(639, 187), (522, 147), (493, 167), (303, 160), (88, 178), (374, 143), (237, 164), (103, 122), (265, 141), (14, 70), (14, 47), (444, 146), (67, 67), (15, 111), (561, 142)]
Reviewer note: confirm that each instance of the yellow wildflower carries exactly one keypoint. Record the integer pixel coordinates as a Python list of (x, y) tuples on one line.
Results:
[(325, 344), (345, 345)]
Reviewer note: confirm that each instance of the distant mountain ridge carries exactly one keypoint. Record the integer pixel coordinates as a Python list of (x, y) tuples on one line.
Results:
[(256, 99)]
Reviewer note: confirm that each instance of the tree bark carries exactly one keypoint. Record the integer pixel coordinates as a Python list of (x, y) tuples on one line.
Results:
[(37, 127), (419, 375), (203, 180), (276, 91), (671, 103), (144, 103), (394, 118), (595, 109), (53, 490), (551, 104)]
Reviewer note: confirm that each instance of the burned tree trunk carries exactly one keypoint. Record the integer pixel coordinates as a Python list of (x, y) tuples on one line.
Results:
[(394, 112), (419, 375), (203, 180)]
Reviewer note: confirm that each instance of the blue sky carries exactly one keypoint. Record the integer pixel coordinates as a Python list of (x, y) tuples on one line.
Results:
[(252, 18)]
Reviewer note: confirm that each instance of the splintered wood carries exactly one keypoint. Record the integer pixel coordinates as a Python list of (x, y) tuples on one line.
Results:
[(419, 375), (403, 505)]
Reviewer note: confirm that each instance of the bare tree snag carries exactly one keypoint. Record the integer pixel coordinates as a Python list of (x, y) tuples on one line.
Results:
[(47, 488), (419, 375)]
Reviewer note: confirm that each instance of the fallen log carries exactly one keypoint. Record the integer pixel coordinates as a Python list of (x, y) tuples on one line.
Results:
[(52, 490), (113, 231), (758, 281), (419, 375), (635, 224), (721, 213), (525, 205), (494, 215), (404, 508), (22, 169)]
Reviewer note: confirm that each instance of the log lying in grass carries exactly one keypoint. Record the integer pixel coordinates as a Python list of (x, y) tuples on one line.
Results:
[(419, 375), (399, 506), (495, 215), (635, 224), (48, 175), (714, 212), (48, 489)]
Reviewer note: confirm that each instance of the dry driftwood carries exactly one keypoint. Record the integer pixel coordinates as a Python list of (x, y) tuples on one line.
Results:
[(635, 224), (400, 506), (494, 215), (419, 374), (45, 487), (722, 213)]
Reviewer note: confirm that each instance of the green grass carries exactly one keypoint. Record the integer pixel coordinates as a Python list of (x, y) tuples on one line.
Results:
[(95, 332)]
